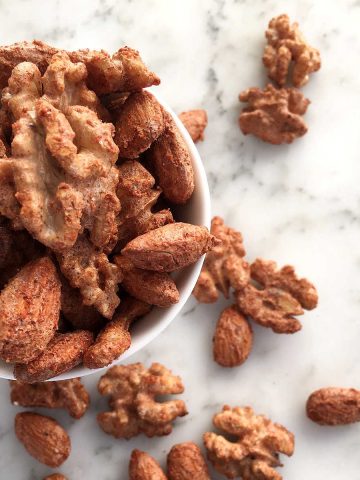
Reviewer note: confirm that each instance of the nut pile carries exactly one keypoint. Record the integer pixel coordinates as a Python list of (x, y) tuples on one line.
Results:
[(90, 167), (269, 296), (274, 114)]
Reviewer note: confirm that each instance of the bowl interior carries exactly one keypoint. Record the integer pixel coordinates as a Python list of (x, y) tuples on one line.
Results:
[(197, 212)]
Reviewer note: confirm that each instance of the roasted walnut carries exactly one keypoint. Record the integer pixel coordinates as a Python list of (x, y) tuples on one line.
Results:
[(134, 409), (255, 452), (287, 51), (273, 115), (195, 122)]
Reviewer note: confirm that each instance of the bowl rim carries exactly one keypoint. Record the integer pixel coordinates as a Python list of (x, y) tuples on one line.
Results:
[(170, 313)]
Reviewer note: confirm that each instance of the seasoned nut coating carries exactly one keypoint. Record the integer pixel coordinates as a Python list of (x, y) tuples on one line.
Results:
[(280, 296), (334, 406), (144, 467), (170, 247), (55, 476), (171, 161), (273, 115), (154, 288), (43, 438), (288, 51), (233, 338), (139, 123), (224, 265), (68, 394), (256, 452), (186, 462), (195, 122), (63, 353), (29, 311), (115, 338), (133, 390)]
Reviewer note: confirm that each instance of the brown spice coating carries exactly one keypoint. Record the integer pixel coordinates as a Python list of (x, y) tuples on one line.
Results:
[(287, 51), (195, 122), (233, 338), (63, 353), (255, 453), (43, 438), (55, 476), (144, 467), (115, 338), (133, 390), (9, 206), (138, 196), (90, 270), (171, 160), (139, 123), (224, 265), (170, 247), (186, 462), (154, 288), (273, 115), (68, 394), (267, 274), (80, 316), (124, 71), (279, 295), (334, 406), (29, 311)]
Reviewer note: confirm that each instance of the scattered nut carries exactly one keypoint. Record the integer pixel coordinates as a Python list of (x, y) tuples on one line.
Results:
[(224, 265), (133, 390), (288, 51), (256, 451), (63, 353), (195, 122), (280, 296), (171, 161), (115, 338), (68, 394), (55, 476), (273, 115), (43, 438), (139, 123), (233, 338), (170, 247), (186, 462), (144, 467), (154, 288), (29, 311), (334, 406)]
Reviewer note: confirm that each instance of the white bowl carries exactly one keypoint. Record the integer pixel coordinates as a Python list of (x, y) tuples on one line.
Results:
[(196, 211)]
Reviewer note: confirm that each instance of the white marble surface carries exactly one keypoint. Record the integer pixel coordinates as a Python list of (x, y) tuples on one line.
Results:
[(297, 204)]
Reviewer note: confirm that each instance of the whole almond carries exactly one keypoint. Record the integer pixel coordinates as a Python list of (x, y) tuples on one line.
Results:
[(144, 467), (334, 406), (43, 438), (233, 338), (29, 311), (186, 462), (63, 353), (170, 247), (154, 288)]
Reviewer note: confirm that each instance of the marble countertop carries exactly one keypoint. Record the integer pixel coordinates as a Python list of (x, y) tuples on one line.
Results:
[(298, 204)]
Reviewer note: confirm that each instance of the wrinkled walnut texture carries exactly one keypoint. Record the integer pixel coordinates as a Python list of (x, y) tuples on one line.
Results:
[(255, 453), (281, 296), (274, 116), (334, 406), (288, 51), (68, 394), (224, 265), (133, 390)]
